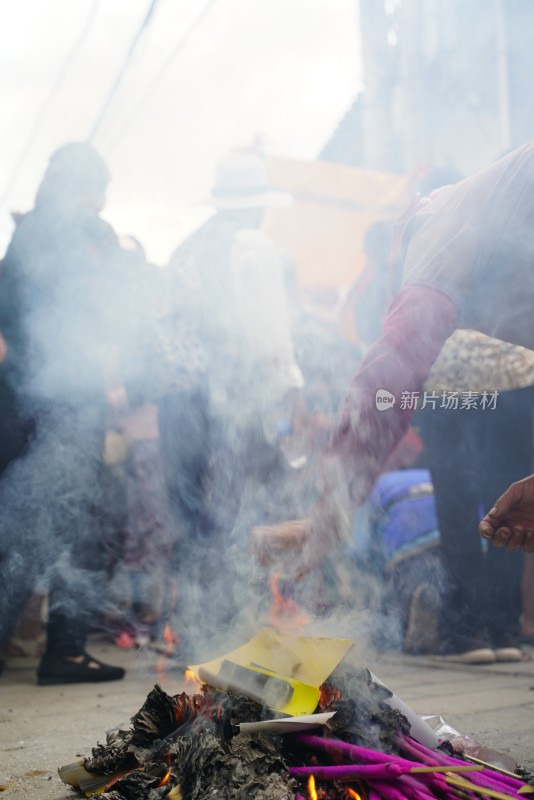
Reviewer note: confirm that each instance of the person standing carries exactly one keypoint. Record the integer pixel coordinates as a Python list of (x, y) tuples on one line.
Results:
[(225, 423), (469, 255), (58, 307)]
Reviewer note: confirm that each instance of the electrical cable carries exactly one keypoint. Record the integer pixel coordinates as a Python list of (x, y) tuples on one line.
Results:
[(146, 21), (19, 163), (148, 93)]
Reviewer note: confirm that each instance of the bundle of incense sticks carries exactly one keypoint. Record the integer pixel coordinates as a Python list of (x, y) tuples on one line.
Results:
[(423, 774)]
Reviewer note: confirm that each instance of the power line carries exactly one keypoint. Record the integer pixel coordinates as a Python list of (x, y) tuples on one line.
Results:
[(48, 102), (118, 79), (147, 94)]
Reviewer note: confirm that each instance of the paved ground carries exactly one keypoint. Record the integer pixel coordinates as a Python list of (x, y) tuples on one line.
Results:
[(42, 728)]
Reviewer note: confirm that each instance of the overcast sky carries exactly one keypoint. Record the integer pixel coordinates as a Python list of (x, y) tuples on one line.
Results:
[(281, 71)]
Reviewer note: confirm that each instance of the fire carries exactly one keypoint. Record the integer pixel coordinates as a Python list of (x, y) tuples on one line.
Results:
[(171, 640), (353, 794), (170, 637), (312, 791), (285, 614), (165, 779), (192, 680)]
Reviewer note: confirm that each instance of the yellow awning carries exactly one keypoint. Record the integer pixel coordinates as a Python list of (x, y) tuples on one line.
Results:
[(323, 230)]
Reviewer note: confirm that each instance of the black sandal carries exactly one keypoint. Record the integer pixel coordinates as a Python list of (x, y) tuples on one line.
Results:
[(55, 670)]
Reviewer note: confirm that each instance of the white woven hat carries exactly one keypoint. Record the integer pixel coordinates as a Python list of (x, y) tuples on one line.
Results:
[(241, 182)]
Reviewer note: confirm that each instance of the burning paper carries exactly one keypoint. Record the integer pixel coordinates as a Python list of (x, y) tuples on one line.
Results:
[(281, 670), (186, 748)]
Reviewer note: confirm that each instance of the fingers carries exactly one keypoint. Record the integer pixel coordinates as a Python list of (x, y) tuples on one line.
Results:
[(487, 531), (521, 539), (504, 503), (516, 539), (512, 539), (501, 537)]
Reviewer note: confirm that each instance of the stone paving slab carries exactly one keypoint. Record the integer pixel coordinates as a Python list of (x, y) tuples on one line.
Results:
[(42, 728)]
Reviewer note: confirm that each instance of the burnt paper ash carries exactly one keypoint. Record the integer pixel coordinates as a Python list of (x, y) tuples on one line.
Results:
[(159, 717), (140, 784), (184, 747), (189, 748), (250, 766), (363, 716)]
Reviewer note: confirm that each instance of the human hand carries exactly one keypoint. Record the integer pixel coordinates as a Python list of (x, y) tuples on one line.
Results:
[(291, 548), (510, 523), (270, 543), (296, 547)]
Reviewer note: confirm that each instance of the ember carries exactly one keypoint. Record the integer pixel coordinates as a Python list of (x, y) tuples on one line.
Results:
[(186, 747)]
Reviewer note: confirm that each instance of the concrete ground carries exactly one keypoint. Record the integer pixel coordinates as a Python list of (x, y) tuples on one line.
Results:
[(43, 728)]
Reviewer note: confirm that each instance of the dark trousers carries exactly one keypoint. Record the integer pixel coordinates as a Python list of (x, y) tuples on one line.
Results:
[(185, 427), (473, 456), (15, 428), (49, 527)]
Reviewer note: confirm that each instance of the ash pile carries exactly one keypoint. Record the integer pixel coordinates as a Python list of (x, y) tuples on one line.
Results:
[(193, 746), (355, 745)]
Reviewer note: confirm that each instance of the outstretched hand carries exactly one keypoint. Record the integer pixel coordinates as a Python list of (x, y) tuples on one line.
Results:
[(282, 545), (510, 523)]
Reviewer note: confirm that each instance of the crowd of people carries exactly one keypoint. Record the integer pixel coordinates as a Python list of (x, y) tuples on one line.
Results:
[(158, 425)]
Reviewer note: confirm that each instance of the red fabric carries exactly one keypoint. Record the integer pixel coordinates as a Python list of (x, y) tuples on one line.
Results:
[(419, 321), (406, 452)]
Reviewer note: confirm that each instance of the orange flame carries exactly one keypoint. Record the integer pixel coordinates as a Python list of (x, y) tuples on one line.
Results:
[(170, 636), (353, 794), (284, 614), (192, 680), (312, 791), (171, 640), (164, 781)]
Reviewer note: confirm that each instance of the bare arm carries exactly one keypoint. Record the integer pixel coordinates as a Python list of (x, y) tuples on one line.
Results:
[(416, 327)]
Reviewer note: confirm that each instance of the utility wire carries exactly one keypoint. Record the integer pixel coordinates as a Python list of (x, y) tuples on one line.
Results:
[(48, 102), (118, 79), (148, 93)]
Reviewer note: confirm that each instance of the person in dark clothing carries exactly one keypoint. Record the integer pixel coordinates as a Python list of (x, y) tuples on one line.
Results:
[(471, 452), (58, 304), (468, 265)]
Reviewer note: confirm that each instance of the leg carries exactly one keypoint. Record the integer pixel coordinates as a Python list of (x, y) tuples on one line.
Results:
[(69, 451), (506, 450), (451, 455), (527, 622)]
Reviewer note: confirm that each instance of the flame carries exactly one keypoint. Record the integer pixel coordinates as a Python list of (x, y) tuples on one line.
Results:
[(170, 637), (164, 781), (192, 680), (312, 791), (284, 614), (171, 640), (353, 794)]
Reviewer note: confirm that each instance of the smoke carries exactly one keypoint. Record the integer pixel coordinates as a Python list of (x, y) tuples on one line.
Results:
[(187, 341)]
